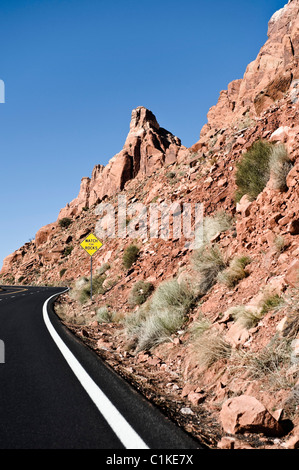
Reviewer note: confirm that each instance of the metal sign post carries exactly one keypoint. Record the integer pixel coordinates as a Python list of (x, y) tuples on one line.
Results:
[(91, 245), (91, 278)]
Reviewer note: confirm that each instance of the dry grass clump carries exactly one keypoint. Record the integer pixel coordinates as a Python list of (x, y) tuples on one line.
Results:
[(208, 262), (291, 328), (235, 271), (270, 363), (103, 268), (161, 316), (130, 256), (103, 315), (209, 347), (140, 292), (280, 165), (83, 293), (246, 317), (262, 161), (213, 225), (270, 302)]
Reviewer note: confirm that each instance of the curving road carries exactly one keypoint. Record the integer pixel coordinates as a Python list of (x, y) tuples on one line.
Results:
[(57, 394)]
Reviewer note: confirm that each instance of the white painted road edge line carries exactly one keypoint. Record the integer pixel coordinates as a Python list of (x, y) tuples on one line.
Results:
[(126, 434)]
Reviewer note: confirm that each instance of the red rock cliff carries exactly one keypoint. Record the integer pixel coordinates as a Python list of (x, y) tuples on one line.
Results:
[(147, 148)]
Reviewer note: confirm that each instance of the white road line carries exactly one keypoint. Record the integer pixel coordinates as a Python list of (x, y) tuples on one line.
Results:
[(126, 434)]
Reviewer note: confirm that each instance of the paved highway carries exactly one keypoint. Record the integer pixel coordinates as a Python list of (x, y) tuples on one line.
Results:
[(57, 394)]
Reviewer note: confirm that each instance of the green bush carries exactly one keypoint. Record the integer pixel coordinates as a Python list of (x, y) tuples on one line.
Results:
[(65, 222), (140, 292), (130, 256), (253, 170)]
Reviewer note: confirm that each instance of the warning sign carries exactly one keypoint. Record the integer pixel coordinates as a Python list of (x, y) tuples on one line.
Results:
[(91, 244)]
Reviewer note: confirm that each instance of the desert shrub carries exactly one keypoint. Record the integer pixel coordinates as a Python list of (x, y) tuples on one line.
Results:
[(21, 278), (62, 272), (171, 175), (65, 222), (97, 288), (199, 326), (103, 315), (208, 262), (253, 170), (269, 362), (212, 225), (280, 166), (209, 347), (160, 316), (67, 251), (291, 307), (103, 268), (280, 244), (130, 256), (235, 271), (140, 292), (246, 317), (270, 302)]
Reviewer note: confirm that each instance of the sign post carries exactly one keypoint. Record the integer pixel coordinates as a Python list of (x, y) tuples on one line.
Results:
[(91, 245)]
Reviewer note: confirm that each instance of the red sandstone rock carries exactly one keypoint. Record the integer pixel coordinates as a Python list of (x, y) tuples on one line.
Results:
[(147, 148), (246, 414)]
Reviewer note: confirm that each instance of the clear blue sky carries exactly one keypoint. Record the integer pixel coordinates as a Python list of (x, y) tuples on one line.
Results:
[(75, 69)]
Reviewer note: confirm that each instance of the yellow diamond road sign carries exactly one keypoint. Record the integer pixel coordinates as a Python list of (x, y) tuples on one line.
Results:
[(91, 244)]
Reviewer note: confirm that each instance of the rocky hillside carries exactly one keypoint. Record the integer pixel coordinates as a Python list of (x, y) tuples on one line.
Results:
[(219, 323)]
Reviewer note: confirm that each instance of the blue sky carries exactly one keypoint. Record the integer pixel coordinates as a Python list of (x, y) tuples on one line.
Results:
[(74, 70)]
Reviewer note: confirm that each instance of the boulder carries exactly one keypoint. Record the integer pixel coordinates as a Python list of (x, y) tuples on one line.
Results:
[(292, 274), (247, 414)]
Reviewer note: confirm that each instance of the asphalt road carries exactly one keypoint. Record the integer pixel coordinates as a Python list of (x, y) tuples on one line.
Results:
[(57, 394)]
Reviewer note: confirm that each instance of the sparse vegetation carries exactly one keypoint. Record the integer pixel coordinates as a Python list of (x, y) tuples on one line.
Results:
[(103, 268), (269, 362), (208, 262), (67, 251), (97, 288), (270, 302), (235, 271), (253, 170), (213, 225), (280, 244), (280, 166), (160, 316), (65, 222), (62, 272), (246, 317), (130, 256), (209, 347), (140, 292), (103, 315)]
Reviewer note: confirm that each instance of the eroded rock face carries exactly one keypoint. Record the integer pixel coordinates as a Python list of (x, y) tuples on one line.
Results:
[(273, 73), (148, 147)]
